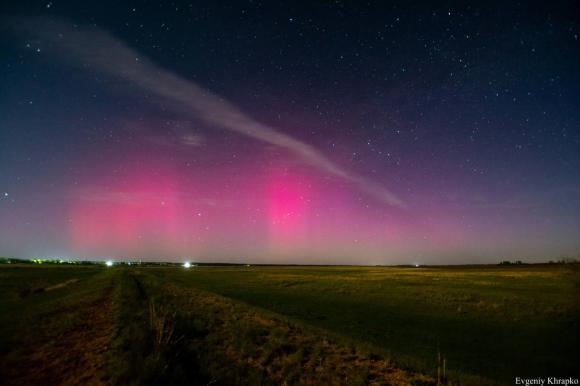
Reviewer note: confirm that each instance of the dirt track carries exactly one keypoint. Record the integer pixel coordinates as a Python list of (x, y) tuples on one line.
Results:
[(78, 357)]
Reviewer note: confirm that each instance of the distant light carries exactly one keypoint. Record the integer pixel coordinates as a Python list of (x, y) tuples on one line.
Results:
[(187, 264), (417, 265), (109, 263)]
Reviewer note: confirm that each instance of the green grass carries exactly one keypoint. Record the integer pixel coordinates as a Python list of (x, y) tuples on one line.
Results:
[(307, 325), (23, 311), (491, 324), (228, 342), (41, 331), (148, 345)]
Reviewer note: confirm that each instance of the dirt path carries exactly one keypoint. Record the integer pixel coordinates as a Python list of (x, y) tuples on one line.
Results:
[(76, 357)]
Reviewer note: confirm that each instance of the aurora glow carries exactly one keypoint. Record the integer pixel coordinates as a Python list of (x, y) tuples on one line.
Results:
[(213, 137)]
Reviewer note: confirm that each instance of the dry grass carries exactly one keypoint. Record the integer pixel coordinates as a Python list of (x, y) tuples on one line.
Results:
[(278, 351), (70, 348)]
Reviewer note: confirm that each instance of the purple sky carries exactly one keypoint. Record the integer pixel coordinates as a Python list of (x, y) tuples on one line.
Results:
[(290, 135)]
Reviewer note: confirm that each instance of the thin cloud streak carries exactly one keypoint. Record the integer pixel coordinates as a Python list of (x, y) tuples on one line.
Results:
[(100, 194), (96, 49)]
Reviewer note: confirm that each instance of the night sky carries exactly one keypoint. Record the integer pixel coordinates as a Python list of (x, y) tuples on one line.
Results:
[(287, 133)]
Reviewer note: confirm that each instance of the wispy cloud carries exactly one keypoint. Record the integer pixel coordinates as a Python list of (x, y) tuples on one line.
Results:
[(192, 140), (100, 194), (96, 49)]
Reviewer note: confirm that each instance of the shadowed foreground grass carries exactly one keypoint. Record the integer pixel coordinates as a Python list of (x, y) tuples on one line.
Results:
[(286, 325), (490, 323)]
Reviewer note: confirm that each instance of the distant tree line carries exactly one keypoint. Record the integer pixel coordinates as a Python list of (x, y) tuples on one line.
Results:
[(562, 260), (14, 260)]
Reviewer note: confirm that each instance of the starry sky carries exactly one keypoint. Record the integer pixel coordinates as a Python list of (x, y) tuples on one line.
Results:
[(288, 132)]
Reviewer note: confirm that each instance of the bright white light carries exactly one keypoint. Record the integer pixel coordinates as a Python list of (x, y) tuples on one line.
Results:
[(109, 263), (187, 264), (417, 265)]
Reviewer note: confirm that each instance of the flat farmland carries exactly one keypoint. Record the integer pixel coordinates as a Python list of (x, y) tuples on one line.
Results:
[(287, 325)]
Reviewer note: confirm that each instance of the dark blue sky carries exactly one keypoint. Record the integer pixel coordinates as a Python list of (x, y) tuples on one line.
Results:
[(369, 132)]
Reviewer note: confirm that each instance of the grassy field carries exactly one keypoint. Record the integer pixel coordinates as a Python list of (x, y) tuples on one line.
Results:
[(287, 325)]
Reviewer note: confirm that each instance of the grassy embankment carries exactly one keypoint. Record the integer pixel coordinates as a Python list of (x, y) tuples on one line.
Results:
[(134, 326), (55, 324), (490, 323), (290, 325)]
